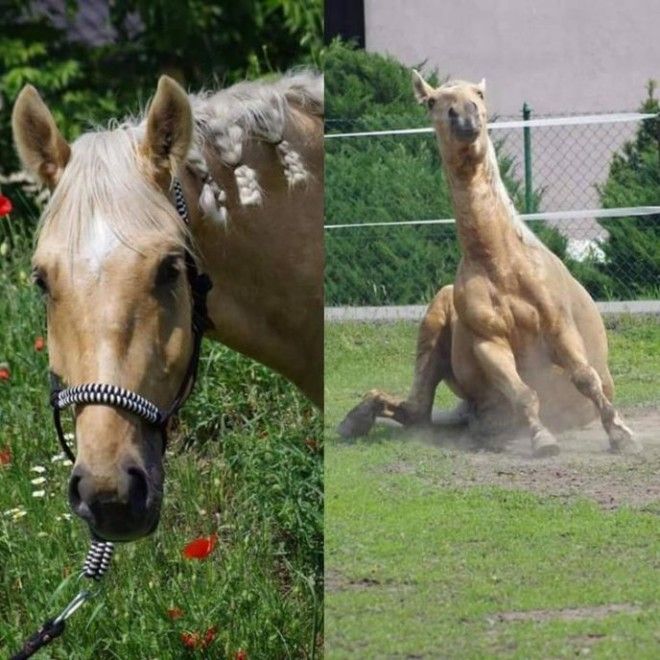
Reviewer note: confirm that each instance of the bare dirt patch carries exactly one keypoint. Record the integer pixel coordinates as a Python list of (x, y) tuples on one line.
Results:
[(336, 581), (584, 467), (567, 614)]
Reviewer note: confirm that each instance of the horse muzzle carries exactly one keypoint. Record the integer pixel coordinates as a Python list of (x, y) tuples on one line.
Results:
[(125, 511), (466, 129)]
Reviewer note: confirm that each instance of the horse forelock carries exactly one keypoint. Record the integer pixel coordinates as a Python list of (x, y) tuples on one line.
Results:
[(102, 183)]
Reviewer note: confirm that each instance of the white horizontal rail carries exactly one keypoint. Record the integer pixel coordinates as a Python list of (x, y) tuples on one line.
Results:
[(581, 214), (392, 313), (616, 118)]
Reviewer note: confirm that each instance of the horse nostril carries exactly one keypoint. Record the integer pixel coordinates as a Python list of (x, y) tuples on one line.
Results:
[(74, 492), (472, 107), (138, 489), (452, 113), (77, 502)]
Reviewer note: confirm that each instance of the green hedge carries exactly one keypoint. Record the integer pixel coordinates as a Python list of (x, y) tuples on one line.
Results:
[(633, 248), (400, 178)]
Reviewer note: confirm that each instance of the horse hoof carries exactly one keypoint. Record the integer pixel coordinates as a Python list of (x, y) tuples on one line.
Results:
[(622, 440), (357, 423), (544, 444)]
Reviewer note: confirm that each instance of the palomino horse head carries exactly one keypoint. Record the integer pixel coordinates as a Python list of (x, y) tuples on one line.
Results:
[(458, 112), (110, 260)]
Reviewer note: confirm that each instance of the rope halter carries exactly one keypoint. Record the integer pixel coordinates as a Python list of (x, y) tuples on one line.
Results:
[(132, 402)]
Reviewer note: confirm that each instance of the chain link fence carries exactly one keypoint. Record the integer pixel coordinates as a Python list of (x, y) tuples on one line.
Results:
[(567, 171)]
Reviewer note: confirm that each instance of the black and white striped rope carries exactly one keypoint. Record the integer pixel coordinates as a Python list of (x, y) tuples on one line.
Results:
[(112, 395), (98, 559), (96, 565)]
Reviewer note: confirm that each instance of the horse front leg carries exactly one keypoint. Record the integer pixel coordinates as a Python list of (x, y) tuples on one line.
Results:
[(498, 364), (570, 354)]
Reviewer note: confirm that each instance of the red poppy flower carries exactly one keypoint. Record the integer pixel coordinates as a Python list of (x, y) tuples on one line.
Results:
[(190, 640), (5, 456), (5, 374), (174, 613), (5, 205), (39, 344), (200, 548), (241, 655), (209, 636)]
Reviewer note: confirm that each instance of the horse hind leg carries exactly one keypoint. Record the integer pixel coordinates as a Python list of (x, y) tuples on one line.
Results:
[(433, 363), (569, 349)]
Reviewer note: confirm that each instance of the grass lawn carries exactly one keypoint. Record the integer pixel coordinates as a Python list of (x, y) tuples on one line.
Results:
[(420, 565), (245, 463)]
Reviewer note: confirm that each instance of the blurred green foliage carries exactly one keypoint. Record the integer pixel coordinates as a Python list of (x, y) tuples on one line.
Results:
[(199, 42), (633, 248)]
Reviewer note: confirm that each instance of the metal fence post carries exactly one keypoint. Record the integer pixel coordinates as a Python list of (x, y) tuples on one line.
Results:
[(527, 145)]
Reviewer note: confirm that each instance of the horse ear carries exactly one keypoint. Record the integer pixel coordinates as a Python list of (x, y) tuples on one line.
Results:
[(482, 86), (421, 88), (40, 145), (169, 127)]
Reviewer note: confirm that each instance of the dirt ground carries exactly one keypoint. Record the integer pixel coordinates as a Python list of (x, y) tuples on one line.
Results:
[(584, 467)]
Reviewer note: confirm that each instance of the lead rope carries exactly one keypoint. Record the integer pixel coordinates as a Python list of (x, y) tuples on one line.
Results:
[(96, 565)]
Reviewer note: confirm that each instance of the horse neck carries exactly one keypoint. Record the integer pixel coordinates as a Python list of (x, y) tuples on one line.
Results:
[(481, 207)]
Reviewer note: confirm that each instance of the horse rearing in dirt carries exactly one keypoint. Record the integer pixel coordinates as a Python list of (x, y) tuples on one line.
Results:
[(111, 259), (516, 337)]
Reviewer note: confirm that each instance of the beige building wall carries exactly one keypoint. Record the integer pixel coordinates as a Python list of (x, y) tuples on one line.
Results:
[(563, 57), (558, 55)]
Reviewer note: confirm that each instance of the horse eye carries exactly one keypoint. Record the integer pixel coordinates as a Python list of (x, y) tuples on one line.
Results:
[(430, 103), (480, 94), (168, 270), (39, 281)]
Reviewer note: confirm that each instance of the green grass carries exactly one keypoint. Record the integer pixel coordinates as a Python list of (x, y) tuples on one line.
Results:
[(418, 567), (241, 465)]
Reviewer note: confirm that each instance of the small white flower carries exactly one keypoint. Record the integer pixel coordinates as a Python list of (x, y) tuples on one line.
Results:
[(58, 457), (4, 249), (39, 469), (19, 514), (69, 436), (38, 493), (42, 534), (67, 462), (37, 481), (11, 512)]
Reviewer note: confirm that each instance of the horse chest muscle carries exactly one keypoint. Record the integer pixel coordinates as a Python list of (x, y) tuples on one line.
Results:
[(497, 306)]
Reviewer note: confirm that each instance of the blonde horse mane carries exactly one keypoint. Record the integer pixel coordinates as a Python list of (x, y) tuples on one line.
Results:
[(102, 181), (261, 110), (526, 235)]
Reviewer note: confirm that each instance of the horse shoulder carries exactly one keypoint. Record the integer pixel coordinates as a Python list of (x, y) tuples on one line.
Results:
[(479, 306)]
